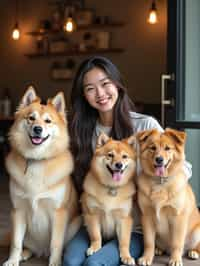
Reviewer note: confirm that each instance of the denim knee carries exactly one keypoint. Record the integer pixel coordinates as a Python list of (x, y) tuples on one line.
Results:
[(92, 262), (69, 261)]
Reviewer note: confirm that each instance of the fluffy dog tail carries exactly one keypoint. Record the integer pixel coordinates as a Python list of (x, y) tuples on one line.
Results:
[(73, 228)]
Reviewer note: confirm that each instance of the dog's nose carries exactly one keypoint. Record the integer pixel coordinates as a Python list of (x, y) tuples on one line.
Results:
[(37, 130), (119, 165), (159, 160)]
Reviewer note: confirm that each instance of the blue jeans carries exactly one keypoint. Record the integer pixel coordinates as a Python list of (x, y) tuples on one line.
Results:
[(108, 255)]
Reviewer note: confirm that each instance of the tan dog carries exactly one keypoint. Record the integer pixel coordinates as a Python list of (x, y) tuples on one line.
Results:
[(170, 217), (45, 205), (107, 199)]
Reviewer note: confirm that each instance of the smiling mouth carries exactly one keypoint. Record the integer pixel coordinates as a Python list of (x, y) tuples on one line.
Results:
[(116, 174), (104, 101), (160, 169), (38, 140)]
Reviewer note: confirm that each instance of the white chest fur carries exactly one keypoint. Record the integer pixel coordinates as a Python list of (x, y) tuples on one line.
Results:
[(109, 209), (38, 195)]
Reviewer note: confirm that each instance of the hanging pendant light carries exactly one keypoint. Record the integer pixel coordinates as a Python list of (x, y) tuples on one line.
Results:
[(16, 31), (153, 17), (69, 25), (69, 22)]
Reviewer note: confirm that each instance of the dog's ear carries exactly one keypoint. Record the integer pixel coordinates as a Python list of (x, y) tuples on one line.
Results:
[(102, 140), (58, 102), (131, 140), (29, 97), (178, 136), (142, 136)]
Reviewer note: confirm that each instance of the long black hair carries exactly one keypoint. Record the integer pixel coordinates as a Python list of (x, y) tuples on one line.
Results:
[(83, 117)]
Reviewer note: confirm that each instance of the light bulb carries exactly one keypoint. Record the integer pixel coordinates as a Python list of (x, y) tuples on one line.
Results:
[(69, 25), (16, 32), (153, 17)]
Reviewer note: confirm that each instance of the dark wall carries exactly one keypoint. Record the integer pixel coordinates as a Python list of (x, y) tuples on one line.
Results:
[(141, 64)]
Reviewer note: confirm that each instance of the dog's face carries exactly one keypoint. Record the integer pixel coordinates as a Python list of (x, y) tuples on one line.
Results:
[(114, 162), (39, 131), (161, 153)]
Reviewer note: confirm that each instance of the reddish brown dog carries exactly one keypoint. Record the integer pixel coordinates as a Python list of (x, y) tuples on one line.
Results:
[(170, 217)]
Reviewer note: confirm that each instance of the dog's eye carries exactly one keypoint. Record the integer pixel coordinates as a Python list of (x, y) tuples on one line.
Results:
[(124, 156), (167, 148), (31, 118), (152, 148), (47, 120), (110, 155)]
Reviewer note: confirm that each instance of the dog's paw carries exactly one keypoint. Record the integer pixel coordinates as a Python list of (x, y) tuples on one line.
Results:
[(128, 260), (175, 262), (158, 251), (93, 248), (55, 260), (11, 262), (55, 263), (145, 261), (193, 254)]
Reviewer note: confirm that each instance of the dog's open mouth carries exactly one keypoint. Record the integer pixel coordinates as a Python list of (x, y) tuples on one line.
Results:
[(38, 140), (116, 174), (160, 169)]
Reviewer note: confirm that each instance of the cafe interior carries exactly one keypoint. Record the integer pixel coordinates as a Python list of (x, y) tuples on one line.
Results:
[(43, 44)]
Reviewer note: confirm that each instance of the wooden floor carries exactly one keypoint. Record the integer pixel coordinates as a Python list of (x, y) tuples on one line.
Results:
[(5, 227)]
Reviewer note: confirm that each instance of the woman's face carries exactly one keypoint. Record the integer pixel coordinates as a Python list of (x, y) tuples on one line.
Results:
[(100, 92)]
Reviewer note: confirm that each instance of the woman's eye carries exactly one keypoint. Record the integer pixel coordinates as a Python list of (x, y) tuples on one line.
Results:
[(106, 83), (89, 89)]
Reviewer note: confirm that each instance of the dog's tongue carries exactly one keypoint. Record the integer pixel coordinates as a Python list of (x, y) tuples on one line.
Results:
[(36, 140), (160, 171), (117, 176)]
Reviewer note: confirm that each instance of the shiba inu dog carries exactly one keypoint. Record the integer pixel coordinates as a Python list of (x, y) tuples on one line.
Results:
[(170, 218), (107, 199), (45, 205)]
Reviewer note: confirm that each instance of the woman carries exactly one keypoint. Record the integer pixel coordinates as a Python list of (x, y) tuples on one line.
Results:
[(99, 102)]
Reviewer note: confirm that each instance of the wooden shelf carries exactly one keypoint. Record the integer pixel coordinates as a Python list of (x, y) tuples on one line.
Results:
[(87, 27), (75, 53), (48, 36)]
